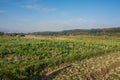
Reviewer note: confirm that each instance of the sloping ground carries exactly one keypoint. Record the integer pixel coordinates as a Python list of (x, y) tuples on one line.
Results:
[(104, 67)]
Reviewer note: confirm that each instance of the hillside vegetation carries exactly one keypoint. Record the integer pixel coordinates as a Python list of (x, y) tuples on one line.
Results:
[(97, 32)]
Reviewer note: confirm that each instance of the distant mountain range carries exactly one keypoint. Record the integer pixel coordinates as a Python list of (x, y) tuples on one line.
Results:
[(105, 31), (96, 32)]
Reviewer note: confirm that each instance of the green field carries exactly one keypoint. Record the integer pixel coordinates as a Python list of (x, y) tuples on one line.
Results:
[(27, 58)]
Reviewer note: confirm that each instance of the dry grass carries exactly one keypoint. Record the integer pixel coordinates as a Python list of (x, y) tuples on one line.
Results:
[(104, 67), (87, 38)]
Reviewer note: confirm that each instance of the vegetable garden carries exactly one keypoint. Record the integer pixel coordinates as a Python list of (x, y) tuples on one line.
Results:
[(23, 58)]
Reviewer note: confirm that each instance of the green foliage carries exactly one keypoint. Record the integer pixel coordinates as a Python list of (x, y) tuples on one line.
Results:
[(97, 32), (25, 58)]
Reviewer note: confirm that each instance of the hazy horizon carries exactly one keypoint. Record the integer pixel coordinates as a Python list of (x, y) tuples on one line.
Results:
[(57, 15)]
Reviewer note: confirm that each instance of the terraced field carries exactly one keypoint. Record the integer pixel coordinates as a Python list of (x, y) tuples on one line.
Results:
[(104, 67), (60, 58)]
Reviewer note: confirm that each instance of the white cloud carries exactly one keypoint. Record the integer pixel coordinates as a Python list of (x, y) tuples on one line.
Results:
[(38, 8), (77, 23), (2, 11), (27, 25), (48, 9), (30, 6)]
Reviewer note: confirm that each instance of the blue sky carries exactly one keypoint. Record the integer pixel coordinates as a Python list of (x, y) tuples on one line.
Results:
[(56, 15)]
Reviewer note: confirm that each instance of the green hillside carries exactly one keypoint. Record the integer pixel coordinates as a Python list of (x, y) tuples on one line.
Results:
[(105, 31)]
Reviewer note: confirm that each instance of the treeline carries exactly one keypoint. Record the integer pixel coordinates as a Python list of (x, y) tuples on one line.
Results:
[(97, 32), (12, 34)]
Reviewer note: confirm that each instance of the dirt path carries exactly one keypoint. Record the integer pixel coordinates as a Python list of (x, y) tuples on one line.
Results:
[(104, 67)]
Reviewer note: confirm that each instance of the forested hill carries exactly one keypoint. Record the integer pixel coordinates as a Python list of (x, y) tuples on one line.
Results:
[(104, 31)]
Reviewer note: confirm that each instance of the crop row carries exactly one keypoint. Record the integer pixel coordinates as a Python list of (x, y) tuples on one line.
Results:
[(25, 58)]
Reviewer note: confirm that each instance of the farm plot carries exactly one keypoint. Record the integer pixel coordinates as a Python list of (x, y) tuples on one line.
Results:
[(27, 58)]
